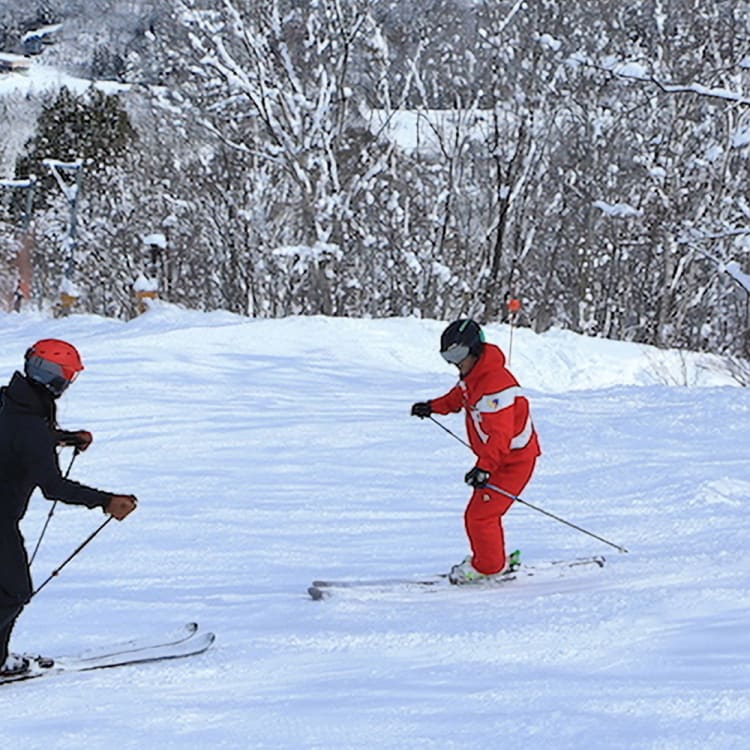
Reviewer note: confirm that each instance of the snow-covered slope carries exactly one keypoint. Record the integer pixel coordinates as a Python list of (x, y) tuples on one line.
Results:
[(267, 453)]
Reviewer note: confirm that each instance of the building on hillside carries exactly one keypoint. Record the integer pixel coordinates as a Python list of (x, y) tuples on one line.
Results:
[(33, 42), (12, 63)]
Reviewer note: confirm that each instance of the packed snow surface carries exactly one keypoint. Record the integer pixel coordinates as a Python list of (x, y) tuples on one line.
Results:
[(268, 453)]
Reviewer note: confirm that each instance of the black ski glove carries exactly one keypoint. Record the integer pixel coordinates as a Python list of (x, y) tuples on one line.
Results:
[(421, 409), (477, 477)]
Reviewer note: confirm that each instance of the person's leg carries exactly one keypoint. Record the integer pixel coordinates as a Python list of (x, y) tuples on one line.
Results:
[(15, 582), (483, 517)]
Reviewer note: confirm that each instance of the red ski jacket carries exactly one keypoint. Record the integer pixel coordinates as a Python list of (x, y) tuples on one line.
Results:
[(498, 419)]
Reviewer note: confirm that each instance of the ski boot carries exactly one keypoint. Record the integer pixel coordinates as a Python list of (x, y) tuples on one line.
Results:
[(14, 666)]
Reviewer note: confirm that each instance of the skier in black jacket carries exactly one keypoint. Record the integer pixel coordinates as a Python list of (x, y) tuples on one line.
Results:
[(29, 435)]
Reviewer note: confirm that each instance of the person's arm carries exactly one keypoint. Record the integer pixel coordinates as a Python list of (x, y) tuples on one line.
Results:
[(449, 403), (44, 468)]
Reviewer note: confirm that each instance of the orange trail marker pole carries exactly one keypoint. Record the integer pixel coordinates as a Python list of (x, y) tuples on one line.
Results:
[(514, 305)]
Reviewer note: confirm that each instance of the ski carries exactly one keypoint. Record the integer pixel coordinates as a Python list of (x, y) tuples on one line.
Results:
[(322, 589), (191, 645), (134, 645)]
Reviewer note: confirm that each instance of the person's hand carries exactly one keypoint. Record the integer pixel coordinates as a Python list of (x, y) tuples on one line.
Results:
[(78, 439), (477, 477), (121, 506), (421, 409), (82, 440)]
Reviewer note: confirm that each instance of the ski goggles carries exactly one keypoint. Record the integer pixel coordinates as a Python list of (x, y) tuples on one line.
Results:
[(456, 353), (50, 374)]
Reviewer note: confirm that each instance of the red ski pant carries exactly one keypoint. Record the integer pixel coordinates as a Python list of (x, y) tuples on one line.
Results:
[(485, 511)]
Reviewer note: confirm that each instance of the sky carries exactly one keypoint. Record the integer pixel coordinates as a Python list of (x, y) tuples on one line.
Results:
[(268, 453)]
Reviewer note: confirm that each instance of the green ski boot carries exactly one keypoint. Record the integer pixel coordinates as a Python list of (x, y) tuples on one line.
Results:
[(514, 561)]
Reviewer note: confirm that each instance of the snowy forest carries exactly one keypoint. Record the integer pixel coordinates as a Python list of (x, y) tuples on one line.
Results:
[(376, 158)]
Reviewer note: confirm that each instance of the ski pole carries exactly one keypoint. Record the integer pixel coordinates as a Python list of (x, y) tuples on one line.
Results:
[(54, 573), (51, 511), (528, 504), (450, 432), (552, 515), (57, 570)]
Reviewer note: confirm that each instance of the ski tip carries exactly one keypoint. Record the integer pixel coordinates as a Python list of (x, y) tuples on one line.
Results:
[(315, 593)]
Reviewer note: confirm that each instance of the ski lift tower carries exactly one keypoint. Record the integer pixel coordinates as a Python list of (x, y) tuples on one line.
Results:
[(23, 286), (71, 189)]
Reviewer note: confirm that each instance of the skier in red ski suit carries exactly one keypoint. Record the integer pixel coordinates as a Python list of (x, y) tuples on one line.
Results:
[(501, 434)]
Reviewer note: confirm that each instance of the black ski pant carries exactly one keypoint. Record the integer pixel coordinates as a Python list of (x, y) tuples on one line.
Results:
[(15, 580)]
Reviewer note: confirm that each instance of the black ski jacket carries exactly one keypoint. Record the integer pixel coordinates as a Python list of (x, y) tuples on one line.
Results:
[(28, 459)]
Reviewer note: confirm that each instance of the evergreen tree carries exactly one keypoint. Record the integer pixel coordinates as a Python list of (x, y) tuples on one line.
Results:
[(93, 127), (92, 130)]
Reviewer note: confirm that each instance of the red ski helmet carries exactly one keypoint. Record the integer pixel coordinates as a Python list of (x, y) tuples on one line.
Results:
[(53, 363)]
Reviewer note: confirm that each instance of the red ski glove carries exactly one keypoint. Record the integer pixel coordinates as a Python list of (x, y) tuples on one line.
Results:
[(78, 439), (121, 506)]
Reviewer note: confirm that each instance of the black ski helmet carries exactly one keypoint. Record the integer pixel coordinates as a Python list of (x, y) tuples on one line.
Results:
[(460, 339)]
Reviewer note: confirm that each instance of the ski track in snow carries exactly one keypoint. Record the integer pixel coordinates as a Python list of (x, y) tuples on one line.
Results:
[(269, 453)]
